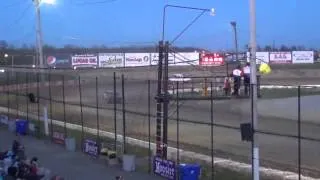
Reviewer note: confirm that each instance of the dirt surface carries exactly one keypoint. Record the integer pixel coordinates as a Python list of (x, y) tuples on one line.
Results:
[(275, 117)]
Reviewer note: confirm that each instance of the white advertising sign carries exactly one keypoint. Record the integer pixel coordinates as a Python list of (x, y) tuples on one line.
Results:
[(111, 60), (155, 58), (186, 58), (84, 60), (260, 57), (280, 57), (137, 59), (299, 57)]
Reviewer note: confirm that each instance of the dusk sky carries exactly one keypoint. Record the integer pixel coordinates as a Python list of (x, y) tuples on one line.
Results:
[(138, 22)]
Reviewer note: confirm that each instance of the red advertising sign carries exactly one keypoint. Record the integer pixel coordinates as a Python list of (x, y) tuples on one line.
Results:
[(280, 57), (211, 59), (58, 138), (86, 59)]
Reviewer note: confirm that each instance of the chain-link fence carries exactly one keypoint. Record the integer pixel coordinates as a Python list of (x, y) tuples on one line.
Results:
[(119, 114)]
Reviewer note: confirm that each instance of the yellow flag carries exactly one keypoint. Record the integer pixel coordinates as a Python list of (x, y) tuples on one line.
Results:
[(264, 68)]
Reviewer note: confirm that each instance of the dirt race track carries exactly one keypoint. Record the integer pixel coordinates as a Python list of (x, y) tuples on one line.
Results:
[(276, 116)]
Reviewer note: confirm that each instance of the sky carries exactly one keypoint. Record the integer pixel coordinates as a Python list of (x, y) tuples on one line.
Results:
[(139, 22)]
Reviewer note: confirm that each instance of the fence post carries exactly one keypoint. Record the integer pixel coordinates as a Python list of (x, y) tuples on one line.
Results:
[(17, 95), (211, 134), (97, 104), (27, 94), (115, 110), (81, 113), (123, 116), (50, 103), (149, 127), (38, 105), (299, 131), (178, 131), (8, 94), (64, 108)]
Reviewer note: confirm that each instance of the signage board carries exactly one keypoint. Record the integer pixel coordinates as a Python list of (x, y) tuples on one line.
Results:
[(155, 58), (58, 138), (186, 59), (111, 60), (260, 57), (58, 61), (164, 168), (137, 59), (84, 60), (211, 59), (299, 57), (91, 148), (280, 57)]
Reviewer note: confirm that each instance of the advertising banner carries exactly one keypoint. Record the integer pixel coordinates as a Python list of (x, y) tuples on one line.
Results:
[(186, 59), (111, 60), (58, 138), (155, 58), (260, 57), (58, 61), (299, 57), (280, 57), (85, 60), (137, 59), (164, 168), (211, 59), (91, 148)]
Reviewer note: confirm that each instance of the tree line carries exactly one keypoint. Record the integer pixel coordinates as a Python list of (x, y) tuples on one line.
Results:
[(5, 47)]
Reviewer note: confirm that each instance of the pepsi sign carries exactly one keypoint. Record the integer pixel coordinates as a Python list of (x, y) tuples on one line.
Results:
[(58, 61)]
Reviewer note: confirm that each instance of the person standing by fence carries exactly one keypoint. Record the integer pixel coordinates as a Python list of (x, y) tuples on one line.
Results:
[(237, 74), (246, 79)]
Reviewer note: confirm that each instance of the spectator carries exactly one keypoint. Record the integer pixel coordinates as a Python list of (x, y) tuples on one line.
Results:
[(246, 78), (119, 178), (36, 170), (237, 74), (12, 173), (227, 86)]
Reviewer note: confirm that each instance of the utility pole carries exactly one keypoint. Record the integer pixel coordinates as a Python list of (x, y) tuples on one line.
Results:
[(39, 35), (40, 54), (234, 27), (166, 99), (254, 94), (159, 102)]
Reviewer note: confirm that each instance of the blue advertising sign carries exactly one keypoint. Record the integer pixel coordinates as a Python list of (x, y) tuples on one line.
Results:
[(59, 61), (164, 168), (91, 148)]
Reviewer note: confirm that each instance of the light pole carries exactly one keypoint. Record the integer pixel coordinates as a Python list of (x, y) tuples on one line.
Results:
[(254, 94), (39, 33), (163, 96), (234, 27), (37, 4)]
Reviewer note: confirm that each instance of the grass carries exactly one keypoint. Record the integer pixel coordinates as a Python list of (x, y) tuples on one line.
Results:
[(142, 154), (23, 77), (286, 93), (265, 93)]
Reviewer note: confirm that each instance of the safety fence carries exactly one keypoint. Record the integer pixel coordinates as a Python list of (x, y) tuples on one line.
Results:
[(211, 129)]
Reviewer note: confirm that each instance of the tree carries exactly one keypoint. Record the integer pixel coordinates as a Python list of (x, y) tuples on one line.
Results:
[(284, 48), (293, 48), (301, 48), (3, 44), (267, 48)]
